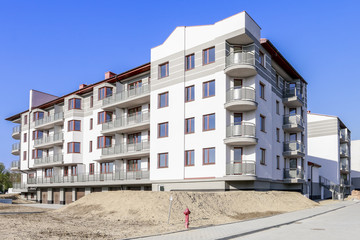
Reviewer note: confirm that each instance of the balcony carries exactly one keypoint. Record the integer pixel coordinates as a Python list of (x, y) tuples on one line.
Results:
[(15, 150), (293, 174), (241, 99), (50, 121), (294, 149), (240, 134), (344, 150), (16, 132), (344, 135), (107, 178), (128, 98), (293, 98), (293, 123), (140, 149), (15, 165), (132, 123), (344, 165), (246, 167), (240, 63), (49, 141), (54, 160), (20, 187)]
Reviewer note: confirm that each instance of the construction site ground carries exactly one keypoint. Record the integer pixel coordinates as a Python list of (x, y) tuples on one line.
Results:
[(128, 214)]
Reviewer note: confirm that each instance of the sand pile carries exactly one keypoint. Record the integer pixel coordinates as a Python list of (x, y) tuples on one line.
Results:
[(151, 208), (355, 194)]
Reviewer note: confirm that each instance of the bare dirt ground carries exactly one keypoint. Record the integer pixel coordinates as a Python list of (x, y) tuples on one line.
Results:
[(15, 197), (126, 214)]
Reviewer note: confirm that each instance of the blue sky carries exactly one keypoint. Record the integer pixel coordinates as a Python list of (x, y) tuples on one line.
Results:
[(53, 46)]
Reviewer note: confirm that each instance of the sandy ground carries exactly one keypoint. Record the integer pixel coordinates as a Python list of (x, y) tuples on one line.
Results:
[(15, 197), (125, 214)]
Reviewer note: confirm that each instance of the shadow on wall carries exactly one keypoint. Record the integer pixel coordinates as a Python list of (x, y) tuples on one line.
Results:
[(355, 181), (329, 169)]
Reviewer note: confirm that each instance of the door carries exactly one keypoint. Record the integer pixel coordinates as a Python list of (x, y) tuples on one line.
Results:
[(56, 195), (44, 196), (68, 195), (96, 190), (80, 192)]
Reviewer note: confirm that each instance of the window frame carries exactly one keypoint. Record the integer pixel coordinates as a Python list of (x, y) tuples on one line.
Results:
[(207, 50), (73, 147), (166, 160), (66, 171), (47, 175), (36, 115), (24, 155), (166, 99), (90, 146), (262, 90), (106, 94), (72, 103), (105, 113), (192, 158), (277, 134), (262, 123), (262, 156), (190, 57), (25, 119), (277, 107), (101, 142), (91, 101), (25, 137), (166, 64), (277, 162), (192, 125), (208, 122), (135, 163), (72, 125), (206, 157), (106, 166), (166, 129), (208, 91), (261, 58), (91, 169), (91, 123), (189, 97)]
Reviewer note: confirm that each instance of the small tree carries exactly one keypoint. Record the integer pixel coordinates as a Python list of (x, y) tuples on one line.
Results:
[(5, 182)]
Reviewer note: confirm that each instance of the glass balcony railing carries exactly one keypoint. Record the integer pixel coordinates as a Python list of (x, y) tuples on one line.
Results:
[(54, 159), (130, 120), (293, 173), (241, 94), (245, 167), (241, 129), (293, 120), (49, 139), (240, 57), (126, 148), (126, 95), (294, 146), (49, 119)]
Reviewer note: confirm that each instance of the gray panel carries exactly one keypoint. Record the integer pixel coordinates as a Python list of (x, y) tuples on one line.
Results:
[(323, 128)]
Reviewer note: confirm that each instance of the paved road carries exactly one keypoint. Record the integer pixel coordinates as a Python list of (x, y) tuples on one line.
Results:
[(334, 221)]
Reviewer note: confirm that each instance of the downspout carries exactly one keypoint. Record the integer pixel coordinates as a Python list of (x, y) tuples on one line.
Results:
[(184, 100), (311, 183)]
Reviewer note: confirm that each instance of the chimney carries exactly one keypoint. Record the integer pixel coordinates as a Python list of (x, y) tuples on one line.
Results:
[(109, 74), (81, 86), (308, 111)]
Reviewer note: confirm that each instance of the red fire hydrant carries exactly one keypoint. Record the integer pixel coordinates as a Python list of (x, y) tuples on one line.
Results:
[(187, 213)]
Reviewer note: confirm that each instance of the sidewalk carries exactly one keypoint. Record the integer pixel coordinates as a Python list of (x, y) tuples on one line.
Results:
[(243, 228)]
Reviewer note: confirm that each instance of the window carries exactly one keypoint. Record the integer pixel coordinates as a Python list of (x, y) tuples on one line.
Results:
[(163, 160), (238, 118), (262, 123), (91, 123), (104, 92), (262, 156), (73, 170), (25, 120), (104, 142), (134, 138), (48, 172), (91, 169), (134, 85), (209, 89), (190, 93), (38, 115), (278, 162), (163, 100), (261, 58), (208, 156), (292, 137), (90, 146), (134, 165), (25, 137), (238, 83), (66, 171), (104, 117), (277, 80), (164, 70), (74, 125), (292, 111), (37, 153), (24, 155), (31, 175), (277, 107), (189, 158), (189, 62), (208, 55), (74, 103), (189, 125), (106, 167), (209, 122), (163, 130), (262, 90), (37, 134), (91, 101), (238, 152), (277, 134), (293, 163), (73, 147)]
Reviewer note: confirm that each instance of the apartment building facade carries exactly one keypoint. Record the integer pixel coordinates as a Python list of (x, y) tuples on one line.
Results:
[(355, 164), (227, 112), (329, 144)]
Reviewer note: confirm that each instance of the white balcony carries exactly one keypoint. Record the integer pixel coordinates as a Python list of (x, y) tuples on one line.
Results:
[(15, 165), (48, 122), (15, 149), (132, 123), (49, 141), (16, 132), (293, 123), (133, 150), (241, 134), (294, 149), (293, 98), (241, 99), (54, 160), (240, 63)]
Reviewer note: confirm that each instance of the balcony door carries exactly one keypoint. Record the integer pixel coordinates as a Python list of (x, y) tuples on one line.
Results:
[(134, 165), (293, 163), (134, 85), (134, 114), (238, 152), (292, 137), (292, 111), (134, 138)]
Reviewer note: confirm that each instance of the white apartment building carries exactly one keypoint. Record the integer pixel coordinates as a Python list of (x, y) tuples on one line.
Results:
[(329, 144), (355, 164), (227, 112)]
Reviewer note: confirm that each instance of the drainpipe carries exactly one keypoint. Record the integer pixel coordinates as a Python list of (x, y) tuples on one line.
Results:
[(184, 98), (311, 183)]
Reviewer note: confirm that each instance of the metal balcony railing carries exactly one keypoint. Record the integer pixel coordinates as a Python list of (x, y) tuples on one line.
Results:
[(54, 159), (126, 148), (293, 173), (240, 57), (15, 164), (92, 177), (293, 119), (344, 135), (128, 121), (243, 93), (344, 165), (16, 129), (125, 95), (294, 92), (15, 147), (294, 146), (245, 167), (49, 139), (344, 150), (49, 119), (241, 130)]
